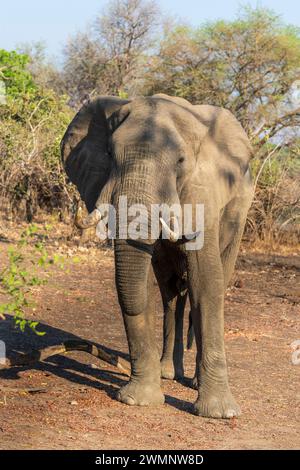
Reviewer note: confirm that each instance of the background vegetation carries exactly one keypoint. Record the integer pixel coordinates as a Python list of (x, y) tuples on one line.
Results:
[(250, 65)]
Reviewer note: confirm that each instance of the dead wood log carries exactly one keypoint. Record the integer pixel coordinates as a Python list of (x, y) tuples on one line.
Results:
[(24, 359)]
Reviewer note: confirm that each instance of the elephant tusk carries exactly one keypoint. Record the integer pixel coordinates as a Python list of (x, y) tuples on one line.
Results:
[(170, 234), (102, 230), (90, 221)]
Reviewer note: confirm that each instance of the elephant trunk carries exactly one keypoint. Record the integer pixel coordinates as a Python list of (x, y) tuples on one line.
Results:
[(132, 261), (138, 183), (132, 264)]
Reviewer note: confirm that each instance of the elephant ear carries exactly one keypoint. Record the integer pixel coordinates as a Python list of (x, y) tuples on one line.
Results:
[(222, 155), (85, 148), (226, 134)]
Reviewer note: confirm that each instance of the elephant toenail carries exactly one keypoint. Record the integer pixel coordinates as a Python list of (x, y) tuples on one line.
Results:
[(129, 400)]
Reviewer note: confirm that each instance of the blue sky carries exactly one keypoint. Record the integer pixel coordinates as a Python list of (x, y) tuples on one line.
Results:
[(53, 21)]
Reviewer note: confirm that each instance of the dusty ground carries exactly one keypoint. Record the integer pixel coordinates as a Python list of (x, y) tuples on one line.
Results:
[(77, 409)]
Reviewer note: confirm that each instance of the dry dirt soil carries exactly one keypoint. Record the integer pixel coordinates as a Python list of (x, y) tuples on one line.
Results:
[(68, 401)]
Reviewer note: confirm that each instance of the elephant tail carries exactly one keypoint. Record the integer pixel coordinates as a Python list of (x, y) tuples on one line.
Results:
[(190, 333)]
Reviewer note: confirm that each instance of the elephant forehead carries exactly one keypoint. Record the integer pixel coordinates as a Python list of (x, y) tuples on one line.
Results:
[(161, 124)]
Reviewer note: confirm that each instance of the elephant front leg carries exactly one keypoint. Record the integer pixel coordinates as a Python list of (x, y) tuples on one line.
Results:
[(206, 285), (144, 386)]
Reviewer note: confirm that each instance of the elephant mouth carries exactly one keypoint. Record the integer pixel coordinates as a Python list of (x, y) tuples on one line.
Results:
[(169, 231), (96, 216)]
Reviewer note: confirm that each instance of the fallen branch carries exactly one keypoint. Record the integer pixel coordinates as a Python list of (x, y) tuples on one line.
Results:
[(292, 300), (67, 346), (24, 390), (260, 259)]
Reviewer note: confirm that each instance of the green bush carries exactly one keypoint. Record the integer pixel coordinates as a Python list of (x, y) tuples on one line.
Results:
[(275, 213), (27, 261), (32, 123), (16, 280)]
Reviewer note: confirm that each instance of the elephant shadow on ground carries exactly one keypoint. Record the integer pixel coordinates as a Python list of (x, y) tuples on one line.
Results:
[(63, 366)]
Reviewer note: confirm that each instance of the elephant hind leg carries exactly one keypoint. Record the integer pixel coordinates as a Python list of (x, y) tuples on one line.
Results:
[(173, 349), (173, 291)]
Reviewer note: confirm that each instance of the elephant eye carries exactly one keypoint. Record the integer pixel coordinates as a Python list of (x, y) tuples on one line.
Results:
[(181, 160)]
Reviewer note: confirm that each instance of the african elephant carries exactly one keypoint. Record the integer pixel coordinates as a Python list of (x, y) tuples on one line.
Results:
[(163, 150)]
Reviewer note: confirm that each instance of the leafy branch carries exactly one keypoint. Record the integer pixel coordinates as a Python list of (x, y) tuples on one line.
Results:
[(17, 281)]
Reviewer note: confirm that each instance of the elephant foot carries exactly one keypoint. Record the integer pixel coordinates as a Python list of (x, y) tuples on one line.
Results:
[(216, 405), (169, 371), (141, 394)]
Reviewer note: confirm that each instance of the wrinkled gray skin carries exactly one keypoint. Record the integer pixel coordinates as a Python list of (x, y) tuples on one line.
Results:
[(164, 150)]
